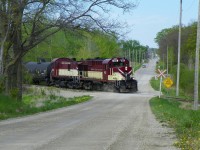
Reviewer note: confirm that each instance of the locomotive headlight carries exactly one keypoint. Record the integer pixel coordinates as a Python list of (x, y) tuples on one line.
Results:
[(126, 68)]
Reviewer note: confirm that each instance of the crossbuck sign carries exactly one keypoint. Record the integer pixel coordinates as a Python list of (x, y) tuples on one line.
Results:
[(161, 75)]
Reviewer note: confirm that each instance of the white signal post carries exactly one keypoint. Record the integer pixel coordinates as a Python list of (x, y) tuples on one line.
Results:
[(161, 75)]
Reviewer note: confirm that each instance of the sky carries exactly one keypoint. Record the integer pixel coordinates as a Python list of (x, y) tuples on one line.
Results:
[(151, 16)]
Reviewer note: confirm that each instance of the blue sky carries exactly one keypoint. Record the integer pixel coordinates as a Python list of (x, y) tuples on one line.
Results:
[(151, 16)]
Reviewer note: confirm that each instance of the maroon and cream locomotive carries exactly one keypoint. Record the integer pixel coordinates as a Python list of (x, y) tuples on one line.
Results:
[(114, 73)]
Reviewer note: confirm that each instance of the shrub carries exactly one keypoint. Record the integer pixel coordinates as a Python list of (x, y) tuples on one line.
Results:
[(43, 93), (14, 92), (186, 78), (27, 77)]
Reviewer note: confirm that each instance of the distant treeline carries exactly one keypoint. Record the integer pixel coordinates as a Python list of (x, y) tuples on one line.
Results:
[(77, 45)]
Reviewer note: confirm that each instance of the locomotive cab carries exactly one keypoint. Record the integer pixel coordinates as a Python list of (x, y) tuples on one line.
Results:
[(118, 71)]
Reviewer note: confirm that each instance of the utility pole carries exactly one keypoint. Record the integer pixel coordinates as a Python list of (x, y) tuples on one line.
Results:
[(167, 62), (196, 77), (139, 56), (179, 51), (133, 60), (136, 55), (163, 61), (129, 57)]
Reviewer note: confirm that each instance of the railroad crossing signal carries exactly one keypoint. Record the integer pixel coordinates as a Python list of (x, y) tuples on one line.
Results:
[(168, 82), (161, 73)]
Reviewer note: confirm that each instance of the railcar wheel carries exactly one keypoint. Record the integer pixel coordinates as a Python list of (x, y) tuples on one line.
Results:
[(88, 85), (119, 90), (134, 89), (48, 83), (116, 90), (70, 85)]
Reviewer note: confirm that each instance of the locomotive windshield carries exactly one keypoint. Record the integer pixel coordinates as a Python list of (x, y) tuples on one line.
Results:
[(118, 64)]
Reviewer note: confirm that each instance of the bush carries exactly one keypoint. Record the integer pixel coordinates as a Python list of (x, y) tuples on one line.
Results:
[(14, 93), (27, 77), (186, 78)]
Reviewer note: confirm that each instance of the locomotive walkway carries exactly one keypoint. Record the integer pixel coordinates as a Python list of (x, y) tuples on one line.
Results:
[(110, 121)]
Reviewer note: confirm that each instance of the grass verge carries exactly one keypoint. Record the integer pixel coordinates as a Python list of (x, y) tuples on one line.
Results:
[(169, 92), (185, 122), (10, 108)]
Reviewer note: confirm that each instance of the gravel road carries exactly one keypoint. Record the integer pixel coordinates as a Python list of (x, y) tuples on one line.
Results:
[(110, 121)]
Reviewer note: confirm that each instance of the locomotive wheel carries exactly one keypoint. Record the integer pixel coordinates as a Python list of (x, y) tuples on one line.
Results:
[(70, 85), (119, 90), (88, 85), (134, 89), (116, 90), (48, 83)]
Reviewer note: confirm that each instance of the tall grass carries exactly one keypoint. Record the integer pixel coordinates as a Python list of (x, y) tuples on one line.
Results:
[(170, 92), (10, 108), (185, 122)]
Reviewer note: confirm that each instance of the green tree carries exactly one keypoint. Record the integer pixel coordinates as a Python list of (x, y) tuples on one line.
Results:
[(137, 51), (169, 38), (106, 44)]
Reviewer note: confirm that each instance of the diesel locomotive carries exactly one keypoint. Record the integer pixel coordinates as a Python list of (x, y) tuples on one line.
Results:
[(92, 74)]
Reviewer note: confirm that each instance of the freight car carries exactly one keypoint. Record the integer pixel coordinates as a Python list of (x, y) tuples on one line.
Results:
[(37, 70), (92, 74)]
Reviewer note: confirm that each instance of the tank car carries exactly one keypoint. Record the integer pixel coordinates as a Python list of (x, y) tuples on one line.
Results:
[(38, 70)]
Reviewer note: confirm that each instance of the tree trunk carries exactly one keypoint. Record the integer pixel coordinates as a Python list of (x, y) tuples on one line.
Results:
[(14, 69), (19, 79), (1, 60), (11, 80), (14, 80)]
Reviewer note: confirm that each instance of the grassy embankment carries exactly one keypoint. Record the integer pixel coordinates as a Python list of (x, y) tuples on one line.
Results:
[(35, 101), (184, 120)]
